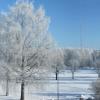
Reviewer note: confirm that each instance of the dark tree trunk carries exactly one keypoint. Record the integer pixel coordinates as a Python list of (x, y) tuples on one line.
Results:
[(98, 75), (56, 75), (73, 77), (7, 83), (23, 82), (57, 72), (22, 90), (7, 87), (73, 72)]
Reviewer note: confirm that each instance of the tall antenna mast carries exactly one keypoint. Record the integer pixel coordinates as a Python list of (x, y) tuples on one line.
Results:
[(81, 29), (81, 38)]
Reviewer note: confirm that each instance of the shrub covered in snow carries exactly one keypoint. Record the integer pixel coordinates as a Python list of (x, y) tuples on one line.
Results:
[(96, 89)]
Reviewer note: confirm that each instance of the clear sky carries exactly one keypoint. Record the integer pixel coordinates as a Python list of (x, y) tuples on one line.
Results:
[(70, 20)]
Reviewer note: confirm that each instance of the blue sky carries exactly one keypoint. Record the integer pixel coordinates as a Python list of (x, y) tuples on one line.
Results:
[(69, 19)]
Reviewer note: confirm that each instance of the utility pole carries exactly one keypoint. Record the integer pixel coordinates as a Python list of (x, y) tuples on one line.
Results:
[(57, 79)]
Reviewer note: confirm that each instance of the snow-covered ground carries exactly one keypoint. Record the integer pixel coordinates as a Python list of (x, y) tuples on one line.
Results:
[(68, 88), (8, 98)]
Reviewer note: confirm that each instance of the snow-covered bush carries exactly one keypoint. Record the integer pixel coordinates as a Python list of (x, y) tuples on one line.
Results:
[(96, 89)]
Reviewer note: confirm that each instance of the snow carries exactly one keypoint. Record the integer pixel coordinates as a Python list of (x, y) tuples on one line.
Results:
[(86, 96), (68, 88), (71, 88), (8, 98)]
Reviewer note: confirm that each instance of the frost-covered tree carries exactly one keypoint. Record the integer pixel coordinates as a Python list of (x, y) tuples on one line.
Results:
[(56, 61), (71, 60), (96, 61), (5, 76), (25, 40), (85, 56), (5, 58), (78, 58)]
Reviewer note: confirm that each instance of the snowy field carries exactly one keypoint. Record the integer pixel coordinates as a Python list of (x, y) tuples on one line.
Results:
[(68, 89)]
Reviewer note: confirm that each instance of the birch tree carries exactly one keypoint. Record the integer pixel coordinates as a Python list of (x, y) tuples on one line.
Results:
[(56, 61), (71, 60), (26, 39)]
